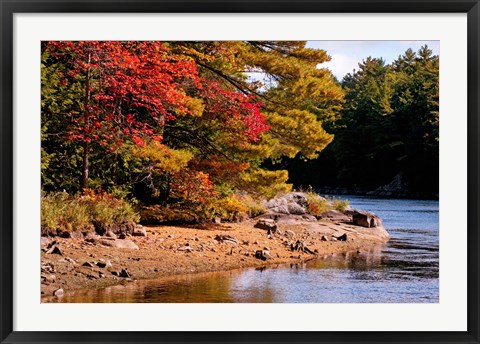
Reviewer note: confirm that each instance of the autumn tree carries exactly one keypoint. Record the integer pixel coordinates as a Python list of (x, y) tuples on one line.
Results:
[(170, 121), (129, 91)]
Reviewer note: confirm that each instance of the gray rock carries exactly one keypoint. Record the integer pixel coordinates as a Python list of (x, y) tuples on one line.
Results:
[(276, 203), (297, 198), (324, 238), (58, 292), (296, 209), (88, 264)]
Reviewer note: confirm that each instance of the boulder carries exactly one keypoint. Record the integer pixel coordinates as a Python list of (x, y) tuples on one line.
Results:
[(119, 243), (297, 198), (139, 230), (335, 215), (365, 218), (296, 209), (266, 224)]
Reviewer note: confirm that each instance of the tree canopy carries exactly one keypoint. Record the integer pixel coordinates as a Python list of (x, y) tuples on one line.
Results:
[(181, 121)]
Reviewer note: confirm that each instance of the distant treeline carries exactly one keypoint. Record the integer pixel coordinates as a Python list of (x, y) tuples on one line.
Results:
[(388, 130)]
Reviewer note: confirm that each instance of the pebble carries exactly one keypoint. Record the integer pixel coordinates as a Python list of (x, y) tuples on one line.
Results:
[(58, 292)]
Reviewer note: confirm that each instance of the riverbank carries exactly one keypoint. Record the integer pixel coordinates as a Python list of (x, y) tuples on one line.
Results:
[(93, 262)]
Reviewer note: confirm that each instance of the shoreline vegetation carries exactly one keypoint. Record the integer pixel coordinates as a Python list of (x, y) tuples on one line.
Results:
[(286, 232)]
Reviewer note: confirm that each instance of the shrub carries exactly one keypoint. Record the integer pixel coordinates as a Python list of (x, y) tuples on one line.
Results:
[(84, 212), (340, 205), (254, 206), (316, 203)]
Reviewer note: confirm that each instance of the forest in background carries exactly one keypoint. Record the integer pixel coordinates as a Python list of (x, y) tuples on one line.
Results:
[(180, 125)]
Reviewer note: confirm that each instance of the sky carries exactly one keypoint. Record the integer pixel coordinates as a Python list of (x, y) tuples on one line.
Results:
[(347, 54)]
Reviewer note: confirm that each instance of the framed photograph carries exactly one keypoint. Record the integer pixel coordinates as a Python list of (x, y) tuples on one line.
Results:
[(268, 171)]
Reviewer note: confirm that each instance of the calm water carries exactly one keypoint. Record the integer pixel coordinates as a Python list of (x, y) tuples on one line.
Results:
[(405, 270)]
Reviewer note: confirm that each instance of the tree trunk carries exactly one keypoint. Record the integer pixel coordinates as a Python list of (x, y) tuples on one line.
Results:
[(84, 181)]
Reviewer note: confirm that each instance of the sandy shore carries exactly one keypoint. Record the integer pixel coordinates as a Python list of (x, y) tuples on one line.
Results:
[(81, 263)]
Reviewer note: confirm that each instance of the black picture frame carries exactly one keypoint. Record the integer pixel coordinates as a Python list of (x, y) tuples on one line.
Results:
[(10, 7)]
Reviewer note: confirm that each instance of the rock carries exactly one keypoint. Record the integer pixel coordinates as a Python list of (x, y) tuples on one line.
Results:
[(217, 220), (58, 292), (297, 198), (296, 209), (104, 263), (55, 250), (186, 248), (300, 246), (48, 267), (139, 230), (364, 218), (119, 243), (324, 238), (335, 215), (342, 237), (88, 264), (308, 217), (289, 233), (267, 224), (276, 203), (110, 234), (44, 241), (69, 234), (263, 254), (226, 238), (124, 273), (49, 278), (70, 260)]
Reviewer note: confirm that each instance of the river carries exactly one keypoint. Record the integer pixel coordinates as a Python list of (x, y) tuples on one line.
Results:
[(404, 270)]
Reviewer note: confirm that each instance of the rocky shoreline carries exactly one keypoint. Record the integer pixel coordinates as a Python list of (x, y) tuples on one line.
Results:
[(93, 261)]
